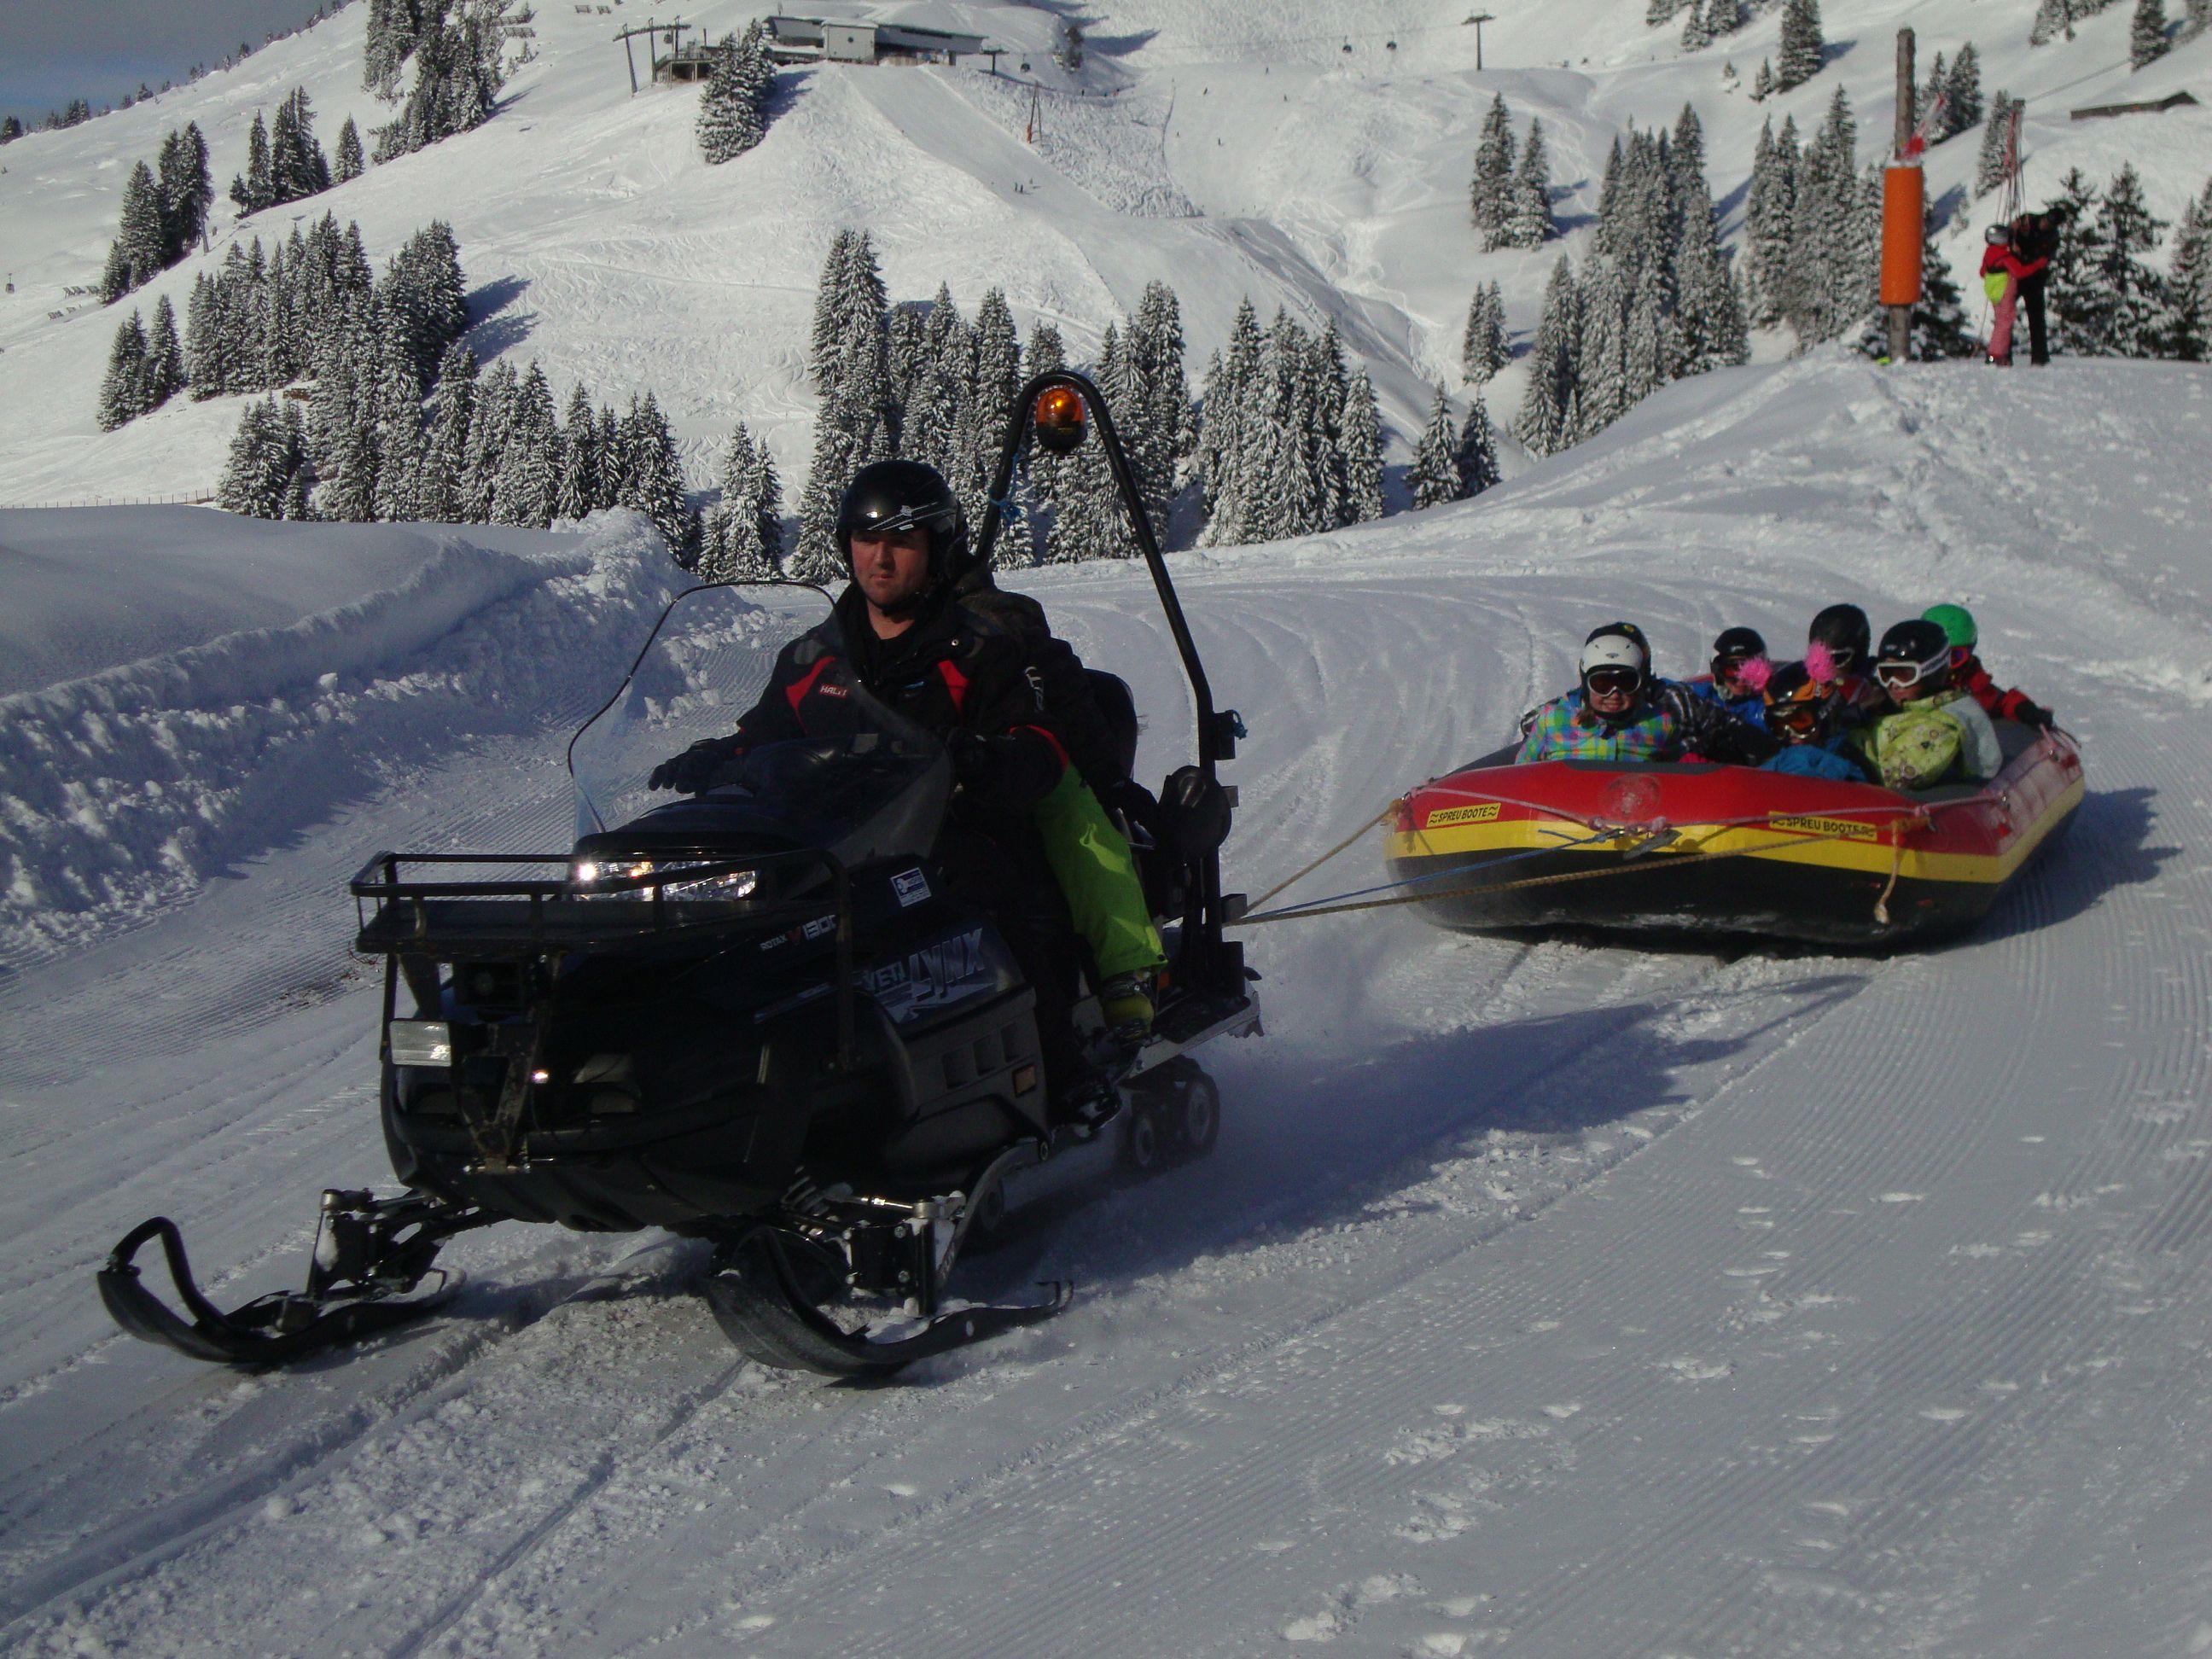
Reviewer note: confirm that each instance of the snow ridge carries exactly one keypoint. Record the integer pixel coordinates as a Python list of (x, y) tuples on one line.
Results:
[(129, 788)]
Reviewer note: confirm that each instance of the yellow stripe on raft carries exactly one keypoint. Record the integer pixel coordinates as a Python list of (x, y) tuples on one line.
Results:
[(1782, 840)]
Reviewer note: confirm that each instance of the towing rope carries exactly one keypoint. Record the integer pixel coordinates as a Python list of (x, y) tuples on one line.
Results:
[(1296, 913)]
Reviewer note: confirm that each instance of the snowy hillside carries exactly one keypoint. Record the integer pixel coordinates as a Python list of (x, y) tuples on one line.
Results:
[(1572, 1299), (1307, 162)]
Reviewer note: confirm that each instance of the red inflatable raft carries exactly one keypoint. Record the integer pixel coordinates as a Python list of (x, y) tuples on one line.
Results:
[(1699, 847)]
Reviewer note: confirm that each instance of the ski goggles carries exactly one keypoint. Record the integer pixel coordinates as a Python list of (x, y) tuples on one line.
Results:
[(1897, 676), (1796, 718), (1843, 656), (1726, 670), (1611, 681)]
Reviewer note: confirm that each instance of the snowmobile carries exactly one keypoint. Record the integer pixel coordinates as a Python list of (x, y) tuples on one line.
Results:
[(754, 1016)]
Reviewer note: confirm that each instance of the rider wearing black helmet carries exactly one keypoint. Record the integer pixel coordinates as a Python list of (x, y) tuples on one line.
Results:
[(901, 632), (1845, 641)]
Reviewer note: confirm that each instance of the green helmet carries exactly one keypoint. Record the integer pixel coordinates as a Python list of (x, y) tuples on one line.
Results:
[(1956, 621)]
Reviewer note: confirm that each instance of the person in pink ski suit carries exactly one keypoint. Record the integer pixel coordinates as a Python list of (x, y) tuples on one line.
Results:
[(2002, 271)]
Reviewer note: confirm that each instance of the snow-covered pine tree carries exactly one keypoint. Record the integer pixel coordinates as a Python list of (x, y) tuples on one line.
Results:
[(491, 409), (1697, 31), (1332, 373), (458, 74), (1362, 450), (1477, 458), (251, 189), (2147, 41), (1490, 195), (140, 250), (529, 483), (440, 480), (185, 191), (1990, 167), (1646, 363), (1804, 46), (1553, 355), (1482, 348), (1659, 13), (206, 366), (2074, 274), (1962, 91), (252, 482), (350, 162), (119, 388), (1151, 405), (292, 463), (1602, 365), (1938, 86), (393, 25), (1768, 215), (399, 415), (297, 166), (756, 69), (1826, 272), (2189, 279), (655, 477), (999, 362), (349, 495), (1434, 477), (579, 459), (2130, 308), (163, 375), (829, 295), (729, 120), (1528, 217), (1722, 18), (1762, 83), (1222, 427), (606, 441)]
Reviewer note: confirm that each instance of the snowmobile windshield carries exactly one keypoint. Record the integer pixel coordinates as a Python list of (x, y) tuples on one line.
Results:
[(859, 780)]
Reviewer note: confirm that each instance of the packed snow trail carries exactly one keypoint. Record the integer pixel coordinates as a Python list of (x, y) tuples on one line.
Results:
[(1577, 1298)]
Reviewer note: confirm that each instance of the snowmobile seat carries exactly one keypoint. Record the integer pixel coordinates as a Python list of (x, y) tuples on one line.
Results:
[(1117, 708)]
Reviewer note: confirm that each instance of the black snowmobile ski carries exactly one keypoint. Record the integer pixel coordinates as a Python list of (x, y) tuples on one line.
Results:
[(767, 1013), (365, 1275)]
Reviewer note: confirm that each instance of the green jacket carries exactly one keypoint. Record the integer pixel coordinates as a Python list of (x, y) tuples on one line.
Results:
[(1915, 747)]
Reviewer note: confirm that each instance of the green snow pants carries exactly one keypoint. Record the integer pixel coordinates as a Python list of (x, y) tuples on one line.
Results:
[(1092, 860)]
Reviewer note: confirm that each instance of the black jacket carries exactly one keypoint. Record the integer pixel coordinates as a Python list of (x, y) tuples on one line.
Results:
[(953, 674), (1091, 744)]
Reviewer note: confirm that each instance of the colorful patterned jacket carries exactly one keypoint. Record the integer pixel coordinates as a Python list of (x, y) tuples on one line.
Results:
[(1668, 722)]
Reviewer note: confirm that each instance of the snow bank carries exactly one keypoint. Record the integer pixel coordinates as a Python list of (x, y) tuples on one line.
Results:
[(124, 788)]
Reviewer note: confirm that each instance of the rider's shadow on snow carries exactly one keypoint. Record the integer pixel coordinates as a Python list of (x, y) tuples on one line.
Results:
[(2107, 845), (1309, 1148)]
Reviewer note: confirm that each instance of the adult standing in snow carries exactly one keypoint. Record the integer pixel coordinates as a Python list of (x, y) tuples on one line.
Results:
[(2003, 269), (1621, 712), (2035, 240)]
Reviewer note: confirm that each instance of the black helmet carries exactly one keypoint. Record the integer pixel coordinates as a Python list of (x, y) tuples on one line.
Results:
[(1843, 629), (905, 495), (1798, 706), (1916, 652), (1737, 646)]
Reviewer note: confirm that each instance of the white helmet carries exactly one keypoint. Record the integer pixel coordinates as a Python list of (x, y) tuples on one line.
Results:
[(1617, 645)]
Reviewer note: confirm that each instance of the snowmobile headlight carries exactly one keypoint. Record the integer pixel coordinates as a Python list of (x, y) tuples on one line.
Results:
[(420, 1042)]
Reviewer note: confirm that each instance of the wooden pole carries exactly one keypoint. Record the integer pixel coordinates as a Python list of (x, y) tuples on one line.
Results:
[(1900, 317)]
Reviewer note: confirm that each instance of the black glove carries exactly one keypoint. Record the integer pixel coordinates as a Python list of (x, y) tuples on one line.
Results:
[(973, 763), (2034, 716), (694, 770)]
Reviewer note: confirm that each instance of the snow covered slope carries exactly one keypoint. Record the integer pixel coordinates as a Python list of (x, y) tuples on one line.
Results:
[(1570, 1298), (1239, 152)]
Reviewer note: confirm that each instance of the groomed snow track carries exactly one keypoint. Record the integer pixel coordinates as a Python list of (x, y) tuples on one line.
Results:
[(1539, 1294)]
